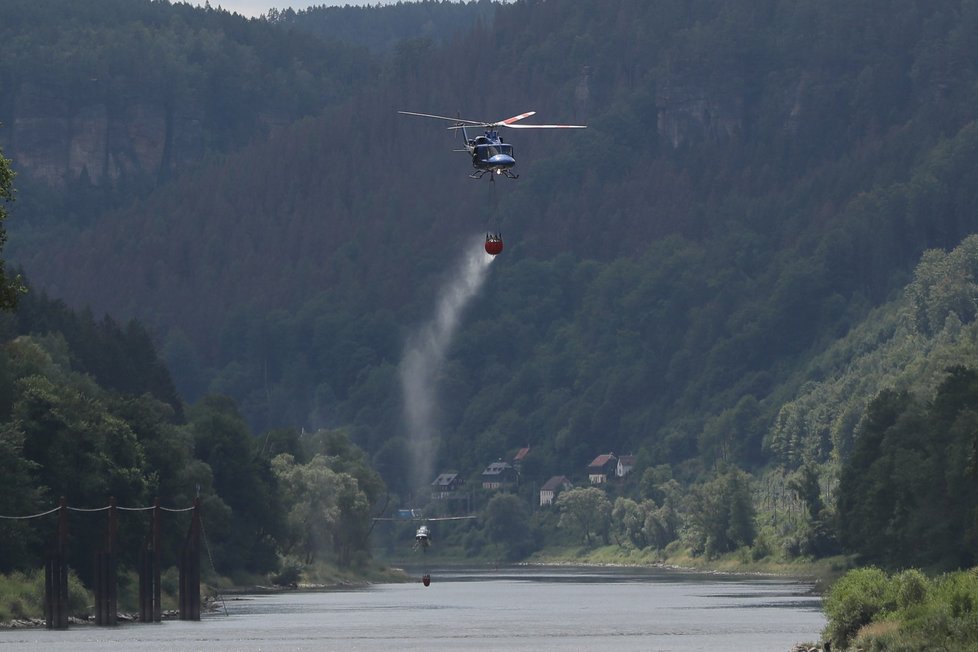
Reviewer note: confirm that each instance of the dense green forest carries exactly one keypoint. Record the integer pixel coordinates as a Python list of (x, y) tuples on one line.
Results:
[(88, 411), (752, 271)]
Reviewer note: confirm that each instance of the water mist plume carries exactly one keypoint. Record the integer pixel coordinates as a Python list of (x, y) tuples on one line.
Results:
[(423, 357)]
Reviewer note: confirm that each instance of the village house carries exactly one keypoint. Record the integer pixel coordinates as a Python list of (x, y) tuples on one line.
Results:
[(625, 464), (446, 485), (548, 492), (601, 467), (449, 488), (499, 475), (519, 457)]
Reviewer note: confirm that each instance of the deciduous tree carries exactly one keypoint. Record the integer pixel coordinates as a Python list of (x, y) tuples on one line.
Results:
[(586, 510), (507, 523)]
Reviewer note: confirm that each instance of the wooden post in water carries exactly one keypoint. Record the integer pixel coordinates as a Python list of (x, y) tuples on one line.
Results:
[(190, 569), (106, 580), (56, 575), (157, 562), (150, 608)]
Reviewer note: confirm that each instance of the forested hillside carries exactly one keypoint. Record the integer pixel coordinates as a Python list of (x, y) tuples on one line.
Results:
[(757, 181), (105, 102), (383, 28)]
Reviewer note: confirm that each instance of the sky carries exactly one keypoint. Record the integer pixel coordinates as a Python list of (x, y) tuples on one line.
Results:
[(254, 8)]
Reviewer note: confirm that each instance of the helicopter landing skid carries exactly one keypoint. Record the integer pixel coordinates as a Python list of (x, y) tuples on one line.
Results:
[(478, 174)]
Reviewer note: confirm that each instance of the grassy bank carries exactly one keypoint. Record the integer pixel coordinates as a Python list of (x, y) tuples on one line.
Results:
[(22, 594), (821, 571)]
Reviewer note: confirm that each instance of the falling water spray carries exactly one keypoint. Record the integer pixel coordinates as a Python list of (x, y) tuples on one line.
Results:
[(424, 355)]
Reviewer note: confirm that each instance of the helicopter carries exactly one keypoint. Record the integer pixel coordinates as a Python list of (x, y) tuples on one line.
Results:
[(490, 155), (422, 536)]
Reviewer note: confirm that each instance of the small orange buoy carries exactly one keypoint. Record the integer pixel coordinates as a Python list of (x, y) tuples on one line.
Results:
[(426, 580), (494, 244)]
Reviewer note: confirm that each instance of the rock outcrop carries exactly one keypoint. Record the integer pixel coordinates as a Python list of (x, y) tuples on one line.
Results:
[(57, 140)]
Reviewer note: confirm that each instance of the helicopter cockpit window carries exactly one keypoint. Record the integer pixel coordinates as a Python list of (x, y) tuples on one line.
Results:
[(488, 151)]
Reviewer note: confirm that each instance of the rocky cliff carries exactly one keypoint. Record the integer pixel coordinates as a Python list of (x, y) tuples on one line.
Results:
[(56, 140)]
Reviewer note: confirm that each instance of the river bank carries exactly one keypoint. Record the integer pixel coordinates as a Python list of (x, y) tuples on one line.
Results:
[(821, 572), (22, 594)]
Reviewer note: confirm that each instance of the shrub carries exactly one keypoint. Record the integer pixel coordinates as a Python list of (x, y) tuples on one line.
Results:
[(21, 595), (80, 600), (912, 614), (290, 570), (908, 589), (882, 636), (762, 547), (853, 602)]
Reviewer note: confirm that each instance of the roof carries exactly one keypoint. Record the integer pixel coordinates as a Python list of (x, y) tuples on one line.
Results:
[(521, 454), (496, 468), (445, 479), (627, 460), (602, 460), (555, 483)]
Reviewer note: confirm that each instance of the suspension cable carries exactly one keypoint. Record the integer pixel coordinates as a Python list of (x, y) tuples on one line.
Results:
[(95, 509), (24, 518)]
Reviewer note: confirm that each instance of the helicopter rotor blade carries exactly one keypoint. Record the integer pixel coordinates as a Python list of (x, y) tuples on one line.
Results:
[(450, 518), (545, 126), (461, 123), (418, 519), (510, 121), (445, 117)]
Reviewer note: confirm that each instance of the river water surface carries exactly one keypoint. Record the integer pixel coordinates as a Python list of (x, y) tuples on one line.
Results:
[(526, 608)]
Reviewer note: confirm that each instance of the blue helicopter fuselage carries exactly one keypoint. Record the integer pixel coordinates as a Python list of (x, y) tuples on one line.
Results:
[(489, 152)]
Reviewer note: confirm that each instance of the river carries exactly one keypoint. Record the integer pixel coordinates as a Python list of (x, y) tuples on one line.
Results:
[(524, 608)]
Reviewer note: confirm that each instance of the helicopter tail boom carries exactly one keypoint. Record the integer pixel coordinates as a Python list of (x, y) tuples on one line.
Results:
[(465, 137)]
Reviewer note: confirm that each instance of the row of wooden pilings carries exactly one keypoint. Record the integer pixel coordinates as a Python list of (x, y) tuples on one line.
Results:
[(106, 566)]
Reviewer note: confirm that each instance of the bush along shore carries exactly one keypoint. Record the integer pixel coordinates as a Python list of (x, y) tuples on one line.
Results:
[(871, 610)]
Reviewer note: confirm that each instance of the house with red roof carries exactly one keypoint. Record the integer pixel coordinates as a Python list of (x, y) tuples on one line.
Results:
[(520, 456), (603, 466)]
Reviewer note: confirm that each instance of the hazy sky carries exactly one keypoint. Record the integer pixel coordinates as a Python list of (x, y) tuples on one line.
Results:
[(255, 8)]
